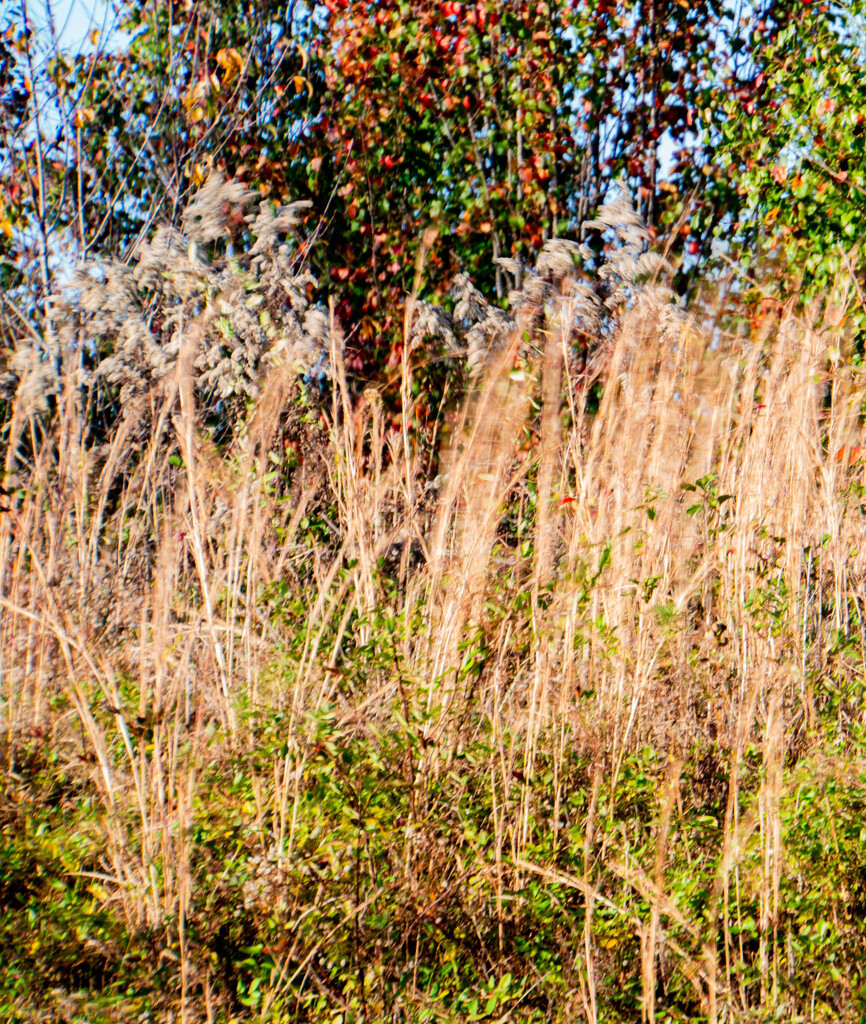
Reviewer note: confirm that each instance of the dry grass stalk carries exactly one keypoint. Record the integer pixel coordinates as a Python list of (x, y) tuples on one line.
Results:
[(149, 575)]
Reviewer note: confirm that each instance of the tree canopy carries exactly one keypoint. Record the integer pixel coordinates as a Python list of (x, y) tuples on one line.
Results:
[(492, 125)]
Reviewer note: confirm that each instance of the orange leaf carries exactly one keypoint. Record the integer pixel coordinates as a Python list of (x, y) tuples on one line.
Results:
[(83, 116), (231, 62), (300, 83)]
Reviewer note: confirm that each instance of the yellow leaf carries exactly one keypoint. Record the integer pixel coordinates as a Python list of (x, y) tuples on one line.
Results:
[(94, 37), (194, 100), (199, 91), (215, 83)]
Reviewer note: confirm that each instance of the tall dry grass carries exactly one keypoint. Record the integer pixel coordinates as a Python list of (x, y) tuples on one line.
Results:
[(557, 590)]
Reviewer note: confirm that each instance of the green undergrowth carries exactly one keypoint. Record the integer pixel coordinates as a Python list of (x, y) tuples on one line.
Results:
[(352, 871)]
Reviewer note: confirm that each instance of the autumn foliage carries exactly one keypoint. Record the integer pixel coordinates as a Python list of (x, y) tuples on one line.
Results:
[(496, 124)]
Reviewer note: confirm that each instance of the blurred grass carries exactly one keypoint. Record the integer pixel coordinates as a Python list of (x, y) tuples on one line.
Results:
[(290, 734)]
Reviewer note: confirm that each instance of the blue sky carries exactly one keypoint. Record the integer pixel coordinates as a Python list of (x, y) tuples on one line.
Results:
[(74, 20)]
